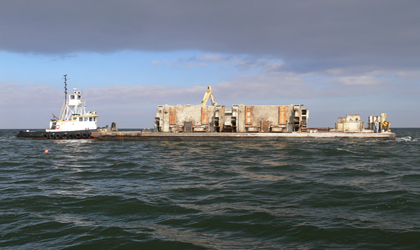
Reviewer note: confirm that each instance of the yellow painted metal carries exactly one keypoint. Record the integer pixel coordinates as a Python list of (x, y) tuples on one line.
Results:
[(209, 93), (62, 111)]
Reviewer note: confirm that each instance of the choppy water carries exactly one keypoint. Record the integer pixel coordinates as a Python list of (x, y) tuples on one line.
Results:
[(210, 195)]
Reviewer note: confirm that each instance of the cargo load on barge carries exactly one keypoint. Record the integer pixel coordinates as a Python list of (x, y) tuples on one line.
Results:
[(74, 122), (246, 122)]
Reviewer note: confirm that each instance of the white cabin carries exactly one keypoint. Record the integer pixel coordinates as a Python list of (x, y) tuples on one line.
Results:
[(74, 116)]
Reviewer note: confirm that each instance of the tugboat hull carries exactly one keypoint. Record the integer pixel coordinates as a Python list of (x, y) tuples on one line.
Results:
[(61, 135)]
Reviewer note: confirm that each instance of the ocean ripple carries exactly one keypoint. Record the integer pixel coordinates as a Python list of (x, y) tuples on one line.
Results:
[(210, 195)]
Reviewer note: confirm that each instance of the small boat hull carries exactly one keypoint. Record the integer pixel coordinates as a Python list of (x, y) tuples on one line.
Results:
[(59, 135)]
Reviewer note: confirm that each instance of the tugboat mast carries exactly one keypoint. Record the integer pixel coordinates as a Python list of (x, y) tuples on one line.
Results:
[(65, 87), (65, 98)]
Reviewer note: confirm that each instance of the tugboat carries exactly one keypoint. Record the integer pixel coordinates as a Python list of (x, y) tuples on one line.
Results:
[(74, 121)]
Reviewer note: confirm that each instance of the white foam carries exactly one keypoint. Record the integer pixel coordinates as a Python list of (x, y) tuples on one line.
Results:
[(405, 138)]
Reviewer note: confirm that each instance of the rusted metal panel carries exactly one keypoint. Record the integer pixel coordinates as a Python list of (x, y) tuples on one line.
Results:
[(188, 127), (172, 115), (282, 115), (205, 115), (265, 126), (248, 115)]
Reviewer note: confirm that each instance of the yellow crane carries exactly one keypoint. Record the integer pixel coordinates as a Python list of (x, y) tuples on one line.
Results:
[(209, 93)]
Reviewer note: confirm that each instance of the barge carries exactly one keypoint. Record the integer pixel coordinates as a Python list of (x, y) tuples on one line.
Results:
[(145, 135), (246, 123), (74, 122)]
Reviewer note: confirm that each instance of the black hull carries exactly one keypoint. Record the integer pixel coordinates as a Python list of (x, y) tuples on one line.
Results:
[(214, 136), (62, 135)]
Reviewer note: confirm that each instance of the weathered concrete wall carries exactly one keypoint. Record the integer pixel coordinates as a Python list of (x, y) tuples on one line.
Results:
[(173, 118), (351, 123), (263, 113), (353, 118), (240, 118), (353, 126), (254, 118), (339, 126)]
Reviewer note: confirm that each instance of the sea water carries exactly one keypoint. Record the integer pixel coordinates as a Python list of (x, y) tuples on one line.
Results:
[(88, 194)]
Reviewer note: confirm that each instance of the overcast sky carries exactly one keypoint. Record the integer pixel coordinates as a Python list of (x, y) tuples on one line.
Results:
[(335, 57)]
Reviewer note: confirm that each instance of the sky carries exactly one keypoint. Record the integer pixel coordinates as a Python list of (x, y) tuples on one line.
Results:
[(128, 56)]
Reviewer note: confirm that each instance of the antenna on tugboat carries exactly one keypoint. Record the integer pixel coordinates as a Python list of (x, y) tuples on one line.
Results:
[(65, 87), (65, 98)]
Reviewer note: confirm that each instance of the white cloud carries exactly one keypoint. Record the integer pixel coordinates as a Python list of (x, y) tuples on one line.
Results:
[(35, 102), (238, 63), (315, 33), (415, 74), (28, 94), (357, 80)]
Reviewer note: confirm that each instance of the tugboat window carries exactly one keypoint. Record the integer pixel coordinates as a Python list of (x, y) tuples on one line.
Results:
[(80, 119), (86, 119), (72, 97), (90, 119)]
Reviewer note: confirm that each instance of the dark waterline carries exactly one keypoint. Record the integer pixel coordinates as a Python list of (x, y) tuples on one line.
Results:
[(211, 195)]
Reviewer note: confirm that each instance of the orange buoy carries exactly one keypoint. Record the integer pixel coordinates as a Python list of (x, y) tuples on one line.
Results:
[(46, 151)]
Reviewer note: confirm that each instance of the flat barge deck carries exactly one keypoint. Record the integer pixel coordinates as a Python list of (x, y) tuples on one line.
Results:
[(213, 136)]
